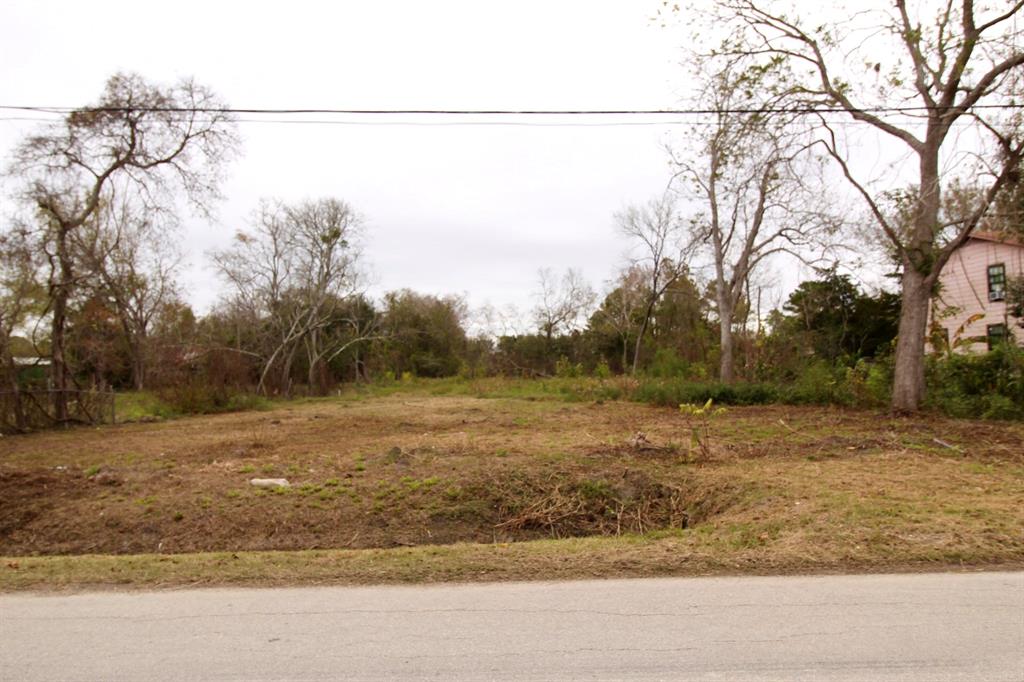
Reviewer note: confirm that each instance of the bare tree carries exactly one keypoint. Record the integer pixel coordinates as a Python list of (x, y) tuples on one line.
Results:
[(132, 261), (660, 251), (562, 305), (294, 274), (623, 305), (747, 171), (138, 139), (941, 80)]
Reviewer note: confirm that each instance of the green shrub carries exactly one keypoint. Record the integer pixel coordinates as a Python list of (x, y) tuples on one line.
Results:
[(675, 392), (668, 365), (565, 369), (818, 384), (197, 397), (990, 385)]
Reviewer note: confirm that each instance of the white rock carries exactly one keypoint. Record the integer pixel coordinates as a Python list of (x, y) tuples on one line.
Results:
[(270, 482)]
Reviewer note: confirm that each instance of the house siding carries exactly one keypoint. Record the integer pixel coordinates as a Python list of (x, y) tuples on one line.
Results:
[(963, 291)]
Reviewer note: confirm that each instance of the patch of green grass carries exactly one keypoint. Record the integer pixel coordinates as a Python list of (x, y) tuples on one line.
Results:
[(414, 484), (92, 471), (141, 405)]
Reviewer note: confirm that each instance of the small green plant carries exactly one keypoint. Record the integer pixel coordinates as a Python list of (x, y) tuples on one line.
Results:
[(247, 469), (565, 369), (699, 420), (92, 471)]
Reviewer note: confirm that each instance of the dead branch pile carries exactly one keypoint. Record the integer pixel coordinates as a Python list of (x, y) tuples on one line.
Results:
[(569, 504)]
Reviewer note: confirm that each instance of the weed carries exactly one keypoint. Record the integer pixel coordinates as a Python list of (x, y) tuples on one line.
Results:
[(699, 420), (93, 470)]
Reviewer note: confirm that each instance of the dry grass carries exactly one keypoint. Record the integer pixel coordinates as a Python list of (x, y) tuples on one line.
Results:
[(413, 487)]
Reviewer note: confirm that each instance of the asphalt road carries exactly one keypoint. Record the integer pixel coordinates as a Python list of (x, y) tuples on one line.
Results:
[(905, 627)]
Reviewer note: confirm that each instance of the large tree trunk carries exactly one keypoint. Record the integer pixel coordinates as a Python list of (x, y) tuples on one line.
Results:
[(726, 371), (908, 380), (920, 272), (138, 349), (58, 362), (138, 371)]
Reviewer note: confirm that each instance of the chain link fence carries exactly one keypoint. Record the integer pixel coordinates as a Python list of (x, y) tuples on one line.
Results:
[(32, 408)]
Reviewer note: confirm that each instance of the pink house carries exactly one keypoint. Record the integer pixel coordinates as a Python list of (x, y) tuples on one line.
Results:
[(970, 310)]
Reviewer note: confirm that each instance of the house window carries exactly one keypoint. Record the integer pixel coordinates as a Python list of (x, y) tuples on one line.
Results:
[(996, 282), (996, 335)]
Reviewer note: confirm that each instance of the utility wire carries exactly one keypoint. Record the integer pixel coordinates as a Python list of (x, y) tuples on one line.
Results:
[(504, 112), (463, 123)]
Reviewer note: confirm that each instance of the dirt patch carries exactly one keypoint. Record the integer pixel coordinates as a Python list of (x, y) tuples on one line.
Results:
[(414, 470)]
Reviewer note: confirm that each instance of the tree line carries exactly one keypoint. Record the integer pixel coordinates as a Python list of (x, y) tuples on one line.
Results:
[(769, 172)]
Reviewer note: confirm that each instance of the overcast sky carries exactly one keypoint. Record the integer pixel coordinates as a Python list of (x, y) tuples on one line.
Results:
[(472, 209)]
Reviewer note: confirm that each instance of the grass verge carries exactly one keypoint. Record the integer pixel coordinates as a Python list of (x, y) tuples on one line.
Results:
[(635, 556)]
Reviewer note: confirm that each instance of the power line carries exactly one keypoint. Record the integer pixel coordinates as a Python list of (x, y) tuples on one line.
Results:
[(502, 112), (462, 124)]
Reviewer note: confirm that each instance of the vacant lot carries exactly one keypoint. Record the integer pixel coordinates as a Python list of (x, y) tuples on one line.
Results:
[(777, 489)]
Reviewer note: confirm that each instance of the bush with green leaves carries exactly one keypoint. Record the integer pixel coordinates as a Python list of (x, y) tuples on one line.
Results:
[(990, 385), (679, 391)]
